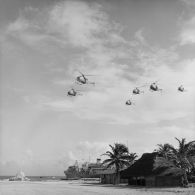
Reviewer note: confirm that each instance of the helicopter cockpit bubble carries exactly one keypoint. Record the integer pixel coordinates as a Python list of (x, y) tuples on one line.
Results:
[(137, 91), (154, 87), (81, 79), (181, 88), (72, 92), (128, 102)]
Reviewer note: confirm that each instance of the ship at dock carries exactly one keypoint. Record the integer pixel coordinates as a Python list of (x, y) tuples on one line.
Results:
[(86, 170)]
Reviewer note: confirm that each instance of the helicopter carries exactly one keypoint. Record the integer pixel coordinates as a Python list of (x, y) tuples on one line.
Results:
[(129, 103), (82, 79), (181, 88), (137, 91), (154, 87), (73, 92)]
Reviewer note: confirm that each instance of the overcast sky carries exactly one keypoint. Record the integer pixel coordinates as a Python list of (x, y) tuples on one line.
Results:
[(124, 43)]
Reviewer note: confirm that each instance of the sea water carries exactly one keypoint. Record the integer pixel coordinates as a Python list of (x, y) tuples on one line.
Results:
[(37, 178)]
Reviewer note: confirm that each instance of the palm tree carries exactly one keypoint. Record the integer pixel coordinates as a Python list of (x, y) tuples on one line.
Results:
[(119, 158), (163, 150), (177, 158)]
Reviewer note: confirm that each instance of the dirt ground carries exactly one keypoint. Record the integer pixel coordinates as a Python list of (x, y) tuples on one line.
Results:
[(83, 188)]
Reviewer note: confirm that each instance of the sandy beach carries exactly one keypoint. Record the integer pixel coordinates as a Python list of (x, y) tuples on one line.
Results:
[(81, 188)]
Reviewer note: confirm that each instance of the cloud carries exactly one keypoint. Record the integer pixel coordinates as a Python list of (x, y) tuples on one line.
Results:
[(188, 2), (139, 36), (77, 22), (187, 24), (93, 149), (20, 24), (94, 45), (187, 32), (83, 151)]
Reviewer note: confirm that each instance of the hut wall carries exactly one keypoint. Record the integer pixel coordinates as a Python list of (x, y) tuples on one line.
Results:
[(163, 181), (110, 178), (138, 181), (123, 180), (150, 181), (107, 179), (167, 181)]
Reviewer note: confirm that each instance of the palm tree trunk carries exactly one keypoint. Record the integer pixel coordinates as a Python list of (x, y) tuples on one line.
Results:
[(185, 179), (117, 178)]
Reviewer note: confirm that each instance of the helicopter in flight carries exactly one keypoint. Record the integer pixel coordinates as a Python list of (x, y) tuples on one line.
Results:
[(137, 90), (181, 88), (73, 92), (129, 103), (154, 87), (82, 79)]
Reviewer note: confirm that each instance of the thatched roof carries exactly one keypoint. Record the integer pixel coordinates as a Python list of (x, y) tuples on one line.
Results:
[(145, 167), (142, 167)]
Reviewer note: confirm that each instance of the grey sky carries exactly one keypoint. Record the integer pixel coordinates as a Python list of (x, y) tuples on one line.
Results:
[(125, 44)]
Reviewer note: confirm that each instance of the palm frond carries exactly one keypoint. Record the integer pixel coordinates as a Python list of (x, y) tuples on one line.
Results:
[(112, 147), (119, 156), (110, 164), (108, 153), (190, 146), (172, 171), (161, 162), (107, 161)]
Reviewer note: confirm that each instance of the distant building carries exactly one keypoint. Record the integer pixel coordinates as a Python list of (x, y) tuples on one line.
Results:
[(93, 167), (107, 175)]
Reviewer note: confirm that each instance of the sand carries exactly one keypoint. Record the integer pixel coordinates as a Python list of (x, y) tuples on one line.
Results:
[(81, 188)]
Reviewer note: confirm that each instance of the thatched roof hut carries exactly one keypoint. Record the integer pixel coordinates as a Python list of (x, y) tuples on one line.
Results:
[(142, 172)]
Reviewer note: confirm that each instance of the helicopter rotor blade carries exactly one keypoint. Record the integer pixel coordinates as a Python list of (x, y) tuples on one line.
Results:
[(85, 74), (90, 75), (79, 72)]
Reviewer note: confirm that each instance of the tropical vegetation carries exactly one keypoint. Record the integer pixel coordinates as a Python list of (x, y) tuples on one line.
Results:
[(180, 160), (119, 158)]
